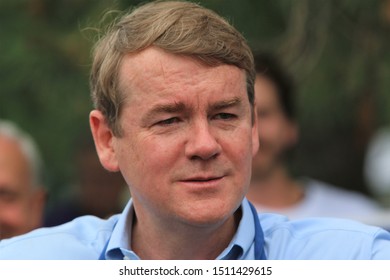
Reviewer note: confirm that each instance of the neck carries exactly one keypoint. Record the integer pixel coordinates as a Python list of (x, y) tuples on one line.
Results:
[(276, 190), (180, 241)]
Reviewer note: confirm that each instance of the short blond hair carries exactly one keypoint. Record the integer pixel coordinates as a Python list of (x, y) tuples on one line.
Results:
[(177, 27)]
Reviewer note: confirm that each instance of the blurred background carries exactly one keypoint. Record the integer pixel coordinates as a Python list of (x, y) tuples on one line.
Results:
[(337, 50)]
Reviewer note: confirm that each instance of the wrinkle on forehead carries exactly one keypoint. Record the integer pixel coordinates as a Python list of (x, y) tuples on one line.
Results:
[(165, 70)]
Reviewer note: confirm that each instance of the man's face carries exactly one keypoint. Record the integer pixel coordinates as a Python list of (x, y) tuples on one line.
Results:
[(20, 205), (277, 133), (188, 138)]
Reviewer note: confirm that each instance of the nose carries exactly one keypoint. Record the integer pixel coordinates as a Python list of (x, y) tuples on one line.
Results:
[(202, 144)]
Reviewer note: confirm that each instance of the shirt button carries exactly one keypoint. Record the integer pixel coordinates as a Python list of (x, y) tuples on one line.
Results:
[(126, 258)]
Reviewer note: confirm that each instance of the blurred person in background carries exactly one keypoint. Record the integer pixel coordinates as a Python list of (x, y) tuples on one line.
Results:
[(22, 195), (273, 188), (96, 192)]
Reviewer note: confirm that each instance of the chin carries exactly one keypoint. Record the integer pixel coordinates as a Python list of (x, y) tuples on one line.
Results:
[(206, 221), (210, 214)]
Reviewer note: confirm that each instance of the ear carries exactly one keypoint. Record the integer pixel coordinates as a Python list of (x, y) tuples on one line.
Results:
[(255, 134), (103, 137)]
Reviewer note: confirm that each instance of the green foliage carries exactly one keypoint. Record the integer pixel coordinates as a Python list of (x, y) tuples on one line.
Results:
[(336, 50)]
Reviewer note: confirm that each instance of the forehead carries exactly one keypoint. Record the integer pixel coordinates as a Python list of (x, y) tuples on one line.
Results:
[(13, 165), (156, 71)]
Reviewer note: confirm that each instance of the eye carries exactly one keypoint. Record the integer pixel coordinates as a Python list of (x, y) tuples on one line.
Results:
[(167, 122), (225, 116), (7, 196)]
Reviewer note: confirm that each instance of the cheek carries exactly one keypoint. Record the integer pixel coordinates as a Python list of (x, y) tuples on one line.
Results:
[(157, 154), (147, 160), (244, 166), (13, 214)]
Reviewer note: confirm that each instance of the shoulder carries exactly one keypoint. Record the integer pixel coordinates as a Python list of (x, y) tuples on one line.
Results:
[(82, 238), (323, 238)]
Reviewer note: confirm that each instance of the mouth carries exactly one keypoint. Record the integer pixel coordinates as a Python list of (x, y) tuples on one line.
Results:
[(203, 181), (202, 178)]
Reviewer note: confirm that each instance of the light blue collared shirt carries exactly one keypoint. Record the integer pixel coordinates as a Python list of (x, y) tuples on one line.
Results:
[(241, 246), (91, 238)]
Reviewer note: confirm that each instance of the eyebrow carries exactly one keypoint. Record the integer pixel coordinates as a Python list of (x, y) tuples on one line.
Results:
[(226, 104)]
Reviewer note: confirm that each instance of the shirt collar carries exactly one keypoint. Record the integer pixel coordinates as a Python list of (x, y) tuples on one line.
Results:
[(119, 244), (241, 246)]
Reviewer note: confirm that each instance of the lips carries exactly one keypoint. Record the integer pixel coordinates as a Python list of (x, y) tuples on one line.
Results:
[(201, 179), (203, 182)]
